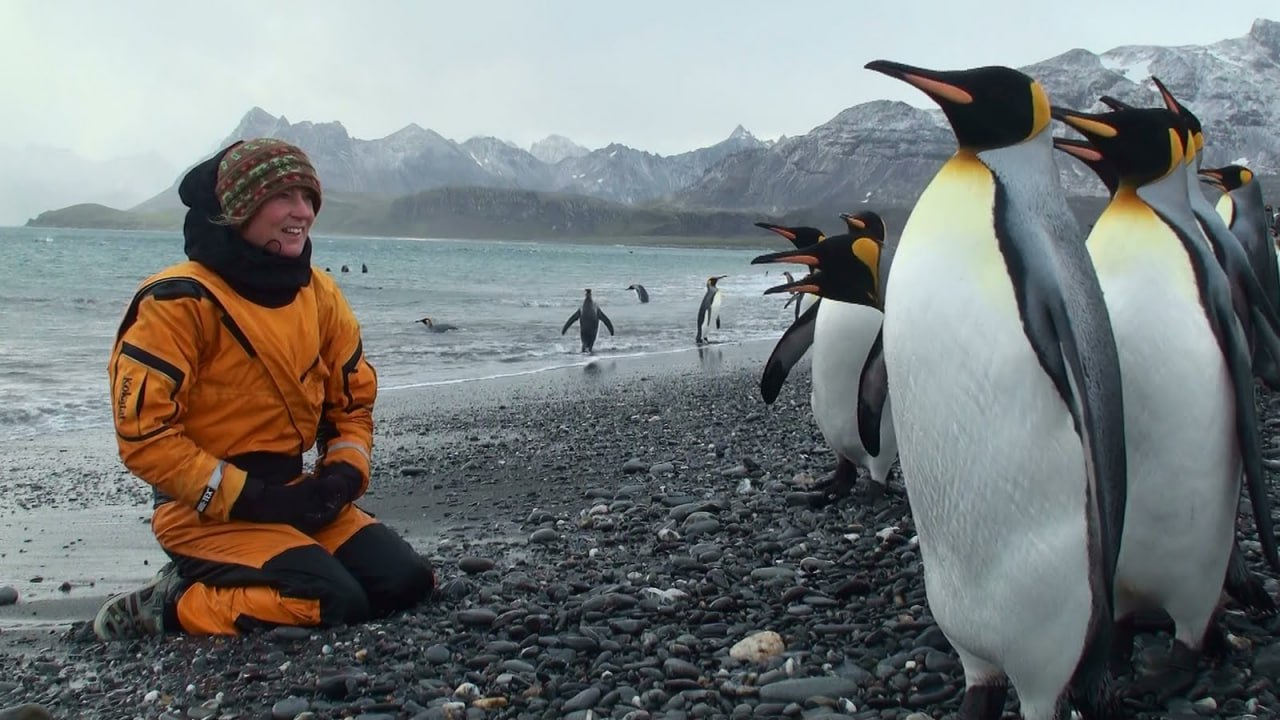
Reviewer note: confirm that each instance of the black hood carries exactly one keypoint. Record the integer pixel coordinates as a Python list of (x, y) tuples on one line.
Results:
[(259, 276)]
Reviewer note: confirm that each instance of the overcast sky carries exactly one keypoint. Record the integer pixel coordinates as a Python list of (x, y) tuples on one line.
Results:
[(106, 79)]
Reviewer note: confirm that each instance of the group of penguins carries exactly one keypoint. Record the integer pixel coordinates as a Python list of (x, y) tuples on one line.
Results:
[(589, 316), (1072, 408)]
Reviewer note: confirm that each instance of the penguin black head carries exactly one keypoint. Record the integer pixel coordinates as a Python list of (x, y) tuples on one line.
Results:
[(799, 236), (1089, 155), (845, 267), (1192, 123), (426, 321), (1227, 177), (586, 292), (711, 281), (1143, 144), (988, 107)]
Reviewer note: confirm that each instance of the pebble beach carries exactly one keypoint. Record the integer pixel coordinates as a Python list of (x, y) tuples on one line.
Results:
[(633, 539)]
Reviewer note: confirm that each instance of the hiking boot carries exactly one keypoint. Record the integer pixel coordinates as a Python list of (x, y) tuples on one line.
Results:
[(138, 613)]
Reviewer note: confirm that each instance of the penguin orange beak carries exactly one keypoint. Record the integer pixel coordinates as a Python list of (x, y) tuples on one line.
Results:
[(1212, 177), (805, 256), (932, 82), (1078, 148), (853, 221), (807, 284), (784, 232), (1089, 125), (1115, 104)]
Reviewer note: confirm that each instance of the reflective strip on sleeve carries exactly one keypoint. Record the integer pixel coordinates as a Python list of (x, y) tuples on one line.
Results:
[(215, 480), (349, 444)]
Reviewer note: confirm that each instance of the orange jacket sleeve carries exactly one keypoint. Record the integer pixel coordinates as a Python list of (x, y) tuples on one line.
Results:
[(346, 432), (153, 365)]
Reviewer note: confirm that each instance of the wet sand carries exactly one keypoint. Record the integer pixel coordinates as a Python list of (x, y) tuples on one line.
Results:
[(74, 523)]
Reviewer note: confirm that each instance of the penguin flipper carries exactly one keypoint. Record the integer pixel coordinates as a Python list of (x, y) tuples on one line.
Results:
[(569, 323), (792, 346), (1057, 343), (605, 319), (1236, 354), (873, 391)]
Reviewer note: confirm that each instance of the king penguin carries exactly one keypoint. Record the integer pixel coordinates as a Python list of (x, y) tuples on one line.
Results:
[(847, 360), (1244, 586), (641, 293), (588, 317), (1242, 208), (709, 310), (1254, 308), (1190, 428), (801, 237), (1007, 405)]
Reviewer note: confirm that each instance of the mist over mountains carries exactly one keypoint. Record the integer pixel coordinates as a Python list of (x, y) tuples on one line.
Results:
[(880, 153)]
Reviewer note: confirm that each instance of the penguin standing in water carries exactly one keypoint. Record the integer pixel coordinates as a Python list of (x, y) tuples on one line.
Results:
[(1241, 584), (640, 292), (1007, 405), (847, 360), (1191, 427), (709, 310), (588, 317)]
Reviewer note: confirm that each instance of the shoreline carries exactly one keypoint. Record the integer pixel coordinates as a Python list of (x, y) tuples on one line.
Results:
[(766, 241), (94, 541)]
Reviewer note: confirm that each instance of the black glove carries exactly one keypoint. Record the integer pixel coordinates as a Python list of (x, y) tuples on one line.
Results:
[(340, 481), (304, 505)]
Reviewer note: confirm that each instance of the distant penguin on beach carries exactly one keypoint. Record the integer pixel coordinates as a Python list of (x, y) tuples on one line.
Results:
[(346, 269), (640, 291), (588, 317), (435, 327), (709, 311), (364, 268)]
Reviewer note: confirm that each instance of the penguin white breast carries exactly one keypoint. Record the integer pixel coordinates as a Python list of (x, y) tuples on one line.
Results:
[(993, 466), (1183, 460), (843, 334)]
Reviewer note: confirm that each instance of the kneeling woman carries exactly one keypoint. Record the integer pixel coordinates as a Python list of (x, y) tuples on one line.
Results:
[(226, 369)]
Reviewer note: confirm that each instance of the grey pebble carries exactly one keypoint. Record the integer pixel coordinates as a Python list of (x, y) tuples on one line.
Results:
[(289, 708)]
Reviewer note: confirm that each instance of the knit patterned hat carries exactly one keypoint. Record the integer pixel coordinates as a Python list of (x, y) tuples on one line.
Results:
[(253, 171)]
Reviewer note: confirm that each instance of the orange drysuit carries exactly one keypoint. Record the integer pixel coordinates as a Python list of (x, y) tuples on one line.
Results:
[(208, 386)]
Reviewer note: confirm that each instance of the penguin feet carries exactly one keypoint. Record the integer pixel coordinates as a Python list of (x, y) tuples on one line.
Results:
[(834, 487), (1178, 675), (1122, 647), (983, 702)]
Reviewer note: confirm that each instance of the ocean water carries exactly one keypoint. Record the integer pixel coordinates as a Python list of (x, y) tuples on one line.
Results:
[(63, 292)]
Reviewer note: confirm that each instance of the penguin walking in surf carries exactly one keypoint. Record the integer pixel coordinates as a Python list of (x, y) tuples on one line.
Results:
[(640, 292), (1244, 586), (709, 310), (1007, 405), (588, 317), (1191, 428), (848, 364)]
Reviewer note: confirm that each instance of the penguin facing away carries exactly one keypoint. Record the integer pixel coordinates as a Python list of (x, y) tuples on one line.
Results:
[(847, 360), (640, 292), (1191, 427), (1244, 586), (436, 327), (709, 310), (1007, 405), (588, 317)]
